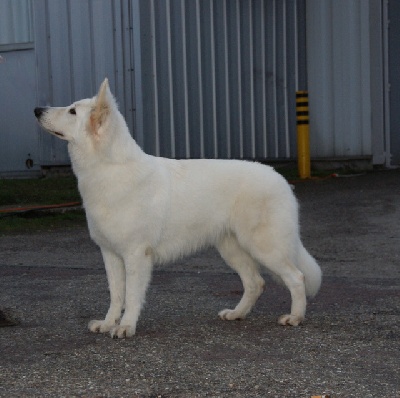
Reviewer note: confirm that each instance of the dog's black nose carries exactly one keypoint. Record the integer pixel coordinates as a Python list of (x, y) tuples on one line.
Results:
[(38, 112)]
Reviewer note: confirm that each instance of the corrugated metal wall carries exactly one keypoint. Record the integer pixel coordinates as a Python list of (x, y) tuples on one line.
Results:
[(220, 77), (194, 78), (18, 141), (18, 144), (78, 44), (345, 68), (212, 78), (394, 79)]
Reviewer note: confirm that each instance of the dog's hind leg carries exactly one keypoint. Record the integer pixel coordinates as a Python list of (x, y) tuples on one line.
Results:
[(281, 265), (138, 267), (247, 268), (116, 281)]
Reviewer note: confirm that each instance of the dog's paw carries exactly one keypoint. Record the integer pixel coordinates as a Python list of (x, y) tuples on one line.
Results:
[(121, 331), (293, 320), (100, 326), (230, 315)]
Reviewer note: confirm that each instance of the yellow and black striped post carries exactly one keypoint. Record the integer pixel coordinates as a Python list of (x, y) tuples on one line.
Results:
[(303, 135)]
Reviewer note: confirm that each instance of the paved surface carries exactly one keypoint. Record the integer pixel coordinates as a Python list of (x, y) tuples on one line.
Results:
[(54, 283)]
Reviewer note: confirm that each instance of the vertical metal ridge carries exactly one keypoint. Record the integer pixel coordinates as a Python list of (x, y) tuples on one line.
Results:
[(200, 78), (170, 79), (185, 85), (239, 64), (49, 57), (296, 49), (132, 105), (50, 98), (92, 51), (251, 60), (386, 82), (71, 52), (275, 94), (121, 16), (137, 62), (155, 89), (263, 80), (285, 85), (213, 83), (115, 54), (227, 87)]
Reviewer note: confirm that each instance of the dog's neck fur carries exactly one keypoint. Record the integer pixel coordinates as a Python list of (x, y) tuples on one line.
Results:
[(97, 172), (118, 149)]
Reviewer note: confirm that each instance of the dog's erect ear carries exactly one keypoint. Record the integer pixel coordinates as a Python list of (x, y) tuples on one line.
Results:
[(102, 107)]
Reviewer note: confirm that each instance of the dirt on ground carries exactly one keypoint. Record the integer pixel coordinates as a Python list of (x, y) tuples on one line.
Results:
[(53, 282)]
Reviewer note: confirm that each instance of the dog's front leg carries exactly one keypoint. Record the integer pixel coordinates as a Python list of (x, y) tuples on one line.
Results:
[(116, 281), (138, 267)]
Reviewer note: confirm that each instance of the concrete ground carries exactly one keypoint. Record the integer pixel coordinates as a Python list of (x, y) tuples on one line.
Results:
[(53, 283)]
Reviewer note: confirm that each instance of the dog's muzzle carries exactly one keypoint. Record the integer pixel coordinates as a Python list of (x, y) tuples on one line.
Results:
[(39, 112)]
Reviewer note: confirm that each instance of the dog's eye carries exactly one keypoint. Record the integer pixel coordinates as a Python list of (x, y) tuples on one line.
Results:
[(72, 111)]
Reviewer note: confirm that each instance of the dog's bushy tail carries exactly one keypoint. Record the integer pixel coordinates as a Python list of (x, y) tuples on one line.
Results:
[(311, 271)]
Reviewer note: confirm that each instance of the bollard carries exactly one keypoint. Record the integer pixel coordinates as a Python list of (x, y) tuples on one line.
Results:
[(303, 135)]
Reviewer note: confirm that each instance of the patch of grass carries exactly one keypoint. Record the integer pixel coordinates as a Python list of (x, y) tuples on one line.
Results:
[(45, 191), (41, 221)]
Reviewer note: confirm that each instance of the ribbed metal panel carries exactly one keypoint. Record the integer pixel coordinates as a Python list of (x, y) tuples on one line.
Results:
[(343, 71), (194, 78), (18, 144), (78, 44), (17, 98), (207, 78), (220, 77), (393, 83)]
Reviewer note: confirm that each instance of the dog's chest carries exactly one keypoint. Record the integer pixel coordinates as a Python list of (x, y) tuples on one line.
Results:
[(100, 222), (121, 222)]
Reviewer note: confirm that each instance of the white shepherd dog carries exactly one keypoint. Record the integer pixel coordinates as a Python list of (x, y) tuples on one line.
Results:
[(143, 210)]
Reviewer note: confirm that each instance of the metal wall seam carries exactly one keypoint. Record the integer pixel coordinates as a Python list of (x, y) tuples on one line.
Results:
[(49, 57), (60, 72), (275, 93), (251, 60), (239, 77), (386, 83), (155, 87), (115, 54), (227, 91), (92, 52), (200, 82), (138, 83), (129, 88), (71, 51), (296, 49), (285, 85), (213, 87), (185, 85), (365, 86), (263, 82), (170, 79)]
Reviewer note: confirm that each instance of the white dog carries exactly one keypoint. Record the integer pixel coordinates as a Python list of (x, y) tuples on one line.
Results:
[(143, 210)]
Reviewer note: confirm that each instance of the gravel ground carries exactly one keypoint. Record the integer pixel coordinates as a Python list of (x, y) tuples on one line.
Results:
[(53, 283)]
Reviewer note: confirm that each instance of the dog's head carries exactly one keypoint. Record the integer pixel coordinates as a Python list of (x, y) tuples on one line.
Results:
[(85, 119)]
